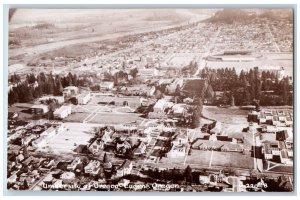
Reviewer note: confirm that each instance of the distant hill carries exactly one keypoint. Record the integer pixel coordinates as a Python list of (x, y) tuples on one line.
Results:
[(229, 16)]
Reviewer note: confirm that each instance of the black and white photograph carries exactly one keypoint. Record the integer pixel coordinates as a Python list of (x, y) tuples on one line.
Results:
[(150, 100)]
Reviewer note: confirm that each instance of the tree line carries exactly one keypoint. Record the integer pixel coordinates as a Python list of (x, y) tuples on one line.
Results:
[(265, 87), (35, 86)]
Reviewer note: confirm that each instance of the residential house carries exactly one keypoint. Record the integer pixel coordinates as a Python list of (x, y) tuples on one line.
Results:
[(141, 149), (178, 150), (93, 167), (125, 169), (72, 166)]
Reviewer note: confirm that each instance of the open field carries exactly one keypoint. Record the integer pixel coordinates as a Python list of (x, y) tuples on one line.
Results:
[(237, 115), (231, 159), (197, 157), (67, 140)]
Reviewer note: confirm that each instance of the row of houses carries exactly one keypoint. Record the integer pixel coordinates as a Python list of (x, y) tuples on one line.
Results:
[(276, 117)]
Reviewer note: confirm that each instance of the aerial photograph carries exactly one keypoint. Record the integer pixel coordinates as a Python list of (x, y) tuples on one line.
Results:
[(150, 100)]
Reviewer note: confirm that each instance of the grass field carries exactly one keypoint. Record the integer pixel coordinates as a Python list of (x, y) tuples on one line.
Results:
[(231, 159), (197, 157)]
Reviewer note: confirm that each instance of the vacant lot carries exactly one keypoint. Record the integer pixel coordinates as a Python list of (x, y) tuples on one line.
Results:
[(66, 141)]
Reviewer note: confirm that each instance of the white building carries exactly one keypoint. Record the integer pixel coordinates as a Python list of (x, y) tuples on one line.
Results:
[(83, 98), (125, 169), (107, 85), (178, 150), (72, 166), (161, 105), (62, 112), (70, 91)]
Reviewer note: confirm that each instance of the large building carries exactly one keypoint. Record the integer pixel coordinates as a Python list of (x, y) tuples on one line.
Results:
[(62, 112)]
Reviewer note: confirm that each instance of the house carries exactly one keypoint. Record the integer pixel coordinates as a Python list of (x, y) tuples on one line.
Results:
[(39, 109), (182, 138), (232, 147), (107, 85), (29, 179), (178, 150), (123, 147), (20, 157), (161, 105), (62, 112), (67, 177), (284, 158), (12, 178), (47, 163), (236, 137), (267, 151), (93, 167), (72, 166), (282, 135), (165, 135), (84, 98), (160, 144), (125, 169), (96, 146), (155, 155), (140, 150), (70, 91), (27, 139)]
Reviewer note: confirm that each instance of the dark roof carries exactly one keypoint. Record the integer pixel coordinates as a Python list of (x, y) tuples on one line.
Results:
[(165, 134), (281, 135), (223, 138), (160, 143)]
